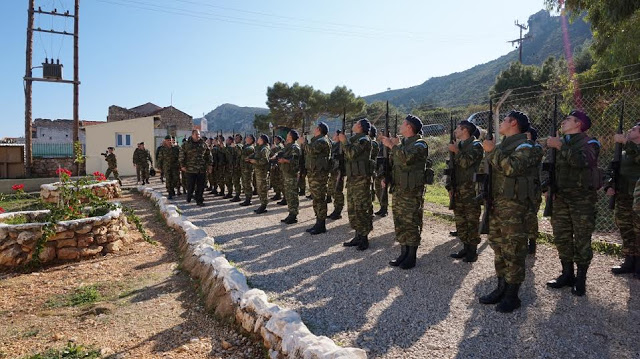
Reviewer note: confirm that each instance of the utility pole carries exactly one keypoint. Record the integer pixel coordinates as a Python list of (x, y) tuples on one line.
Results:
[(520, 40), (52, 72)]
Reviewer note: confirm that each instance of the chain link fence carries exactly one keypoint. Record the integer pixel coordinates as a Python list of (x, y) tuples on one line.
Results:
[(605, 109)]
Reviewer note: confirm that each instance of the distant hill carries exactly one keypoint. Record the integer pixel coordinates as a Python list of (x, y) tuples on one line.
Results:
[(230, 117), (472, 85)]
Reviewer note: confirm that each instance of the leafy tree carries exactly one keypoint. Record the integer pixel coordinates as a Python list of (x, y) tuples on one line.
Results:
[(261, 122)]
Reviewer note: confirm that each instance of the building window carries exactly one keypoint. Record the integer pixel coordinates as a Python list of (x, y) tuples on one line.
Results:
[(123, 140), (34, 134)]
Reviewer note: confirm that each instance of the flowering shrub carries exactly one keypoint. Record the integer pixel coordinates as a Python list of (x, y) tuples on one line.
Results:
[(1, 210), (18, 187), (99, 176)]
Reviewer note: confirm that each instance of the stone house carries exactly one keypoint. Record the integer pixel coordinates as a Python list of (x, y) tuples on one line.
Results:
[(46, 131)]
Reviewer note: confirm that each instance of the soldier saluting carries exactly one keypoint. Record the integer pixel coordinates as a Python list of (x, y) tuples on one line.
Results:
[(289, 163)]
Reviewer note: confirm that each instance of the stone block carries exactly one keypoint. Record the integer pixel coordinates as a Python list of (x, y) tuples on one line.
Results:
[(62, 235), (115, 246), (84, 229), (9, 256), (68, 253), (90, 251), (66, 243), (100, 230), (48, 254), (100, 239), (85, 241)]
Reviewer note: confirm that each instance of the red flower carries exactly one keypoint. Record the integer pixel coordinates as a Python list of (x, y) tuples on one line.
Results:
[(1, 210), (17, 187), (65, 171)]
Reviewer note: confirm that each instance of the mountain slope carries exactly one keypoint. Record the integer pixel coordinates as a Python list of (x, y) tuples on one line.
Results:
[(472, 85), (228, 117)]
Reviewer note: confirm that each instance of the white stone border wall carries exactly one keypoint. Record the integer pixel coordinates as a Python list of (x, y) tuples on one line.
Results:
[(226, 293), (49, 192)]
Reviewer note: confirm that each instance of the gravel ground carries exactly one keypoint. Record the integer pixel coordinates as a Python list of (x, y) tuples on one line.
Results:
[(148, 309), (432, 311)]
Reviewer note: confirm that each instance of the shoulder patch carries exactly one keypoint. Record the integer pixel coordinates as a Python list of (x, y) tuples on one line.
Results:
[(524, 145), (420, 144), (595, 141), (477, 143)]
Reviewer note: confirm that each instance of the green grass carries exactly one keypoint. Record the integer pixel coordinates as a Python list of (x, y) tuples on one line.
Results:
[(437, 194), (19, 219), (70, 351), (15, 204), (81, 296)]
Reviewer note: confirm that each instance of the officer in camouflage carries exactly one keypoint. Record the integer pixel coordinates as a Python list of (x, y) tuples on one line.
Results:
[(627, 220), (357, 152), (317, 162), (195, 161), (247, 169), (228, 168), (382, 193), (574, 216), (219, 171), (275, 174), (141, 159), (112, 165), (467, 156), (512, 198), (236, 172), (335, 186), (168, 160), (289, 163), (535, 167), (375, 151), (211, 179), (260, 162), (410, 156)]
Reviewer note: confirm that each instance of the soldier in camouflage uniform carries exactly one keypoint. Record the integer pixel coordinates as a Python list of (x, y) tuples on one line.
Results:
[(375, 151), (275, 174), (228, 169), (211, 184), (219, 171), (141, 159), (382, 193), (410, 156), (112, 165), (467, 156), (357, 152), (574, 215), (195, 161), (512, 200), (168, 161), (157, 162), (236, 172), (627, 220), (247, 169), (289, 162), (537, 153), (335, 186), (260, 162), (317, 161)]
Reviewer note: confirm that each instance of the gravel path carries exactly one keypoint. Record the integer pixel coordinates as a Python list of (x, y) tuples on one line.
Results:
[(431, 311)]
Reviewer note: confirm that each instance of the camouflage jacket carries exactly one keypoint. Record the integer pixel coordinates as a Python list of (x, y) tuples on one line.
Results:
[(511, 161), (357, 152), (141, 157), (317, 153), (577, 163), (168, 158), (261, 155), (467, 161), (292, 153), (236, 150), (247, 152), (629, 169), (195, 156), (112, 162), (375, 149), (410, 159)]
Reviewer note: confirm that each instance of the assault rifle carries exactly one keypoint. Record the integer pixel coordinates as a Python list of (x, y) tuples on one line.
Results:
[(550, 165), (342, 165), (386, 162), (615, 164), (486, 180), (303, 169), (451, 171)]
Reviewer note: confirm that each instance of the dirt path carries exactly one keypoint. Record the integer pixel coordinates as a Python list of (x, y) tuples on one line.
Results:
[(145, 306)]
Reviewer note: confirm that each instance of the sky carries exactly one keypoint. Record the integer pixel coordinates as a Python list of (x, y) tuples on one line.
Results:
[(199, 54)]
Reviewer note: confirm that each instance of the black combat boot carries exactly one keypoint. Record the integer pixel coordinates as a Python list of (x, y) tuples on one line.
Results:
[(628, 266), (147, 181), (221, 193), (277, 197), (301, 193), (320, 228), (283, 202), (382, 212), (291, 219), (566, 279), (309, 230), (403, 254), (120, 183), (179, 193), (336, 214), (309, 197), (580, 285), (171, 194), (255, 192), (472, 254), (228, 196), (353, 242), (214, 191), (236, 198), (496, 295), (532, 246), (410, 261), (188, 198), (364, 243), (247, 202), (510, 301), (461, 253), (261, 209), (328, 199), (453, 233)]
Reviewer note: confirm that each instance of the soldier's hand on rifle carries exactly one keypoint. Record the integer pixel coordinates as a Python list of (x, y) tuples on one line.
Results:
[(554, 142), (383, 184), (302, 140), (489, 145), (342, 137), (453, 147), (183, 169), (611, 191), (620, 138)]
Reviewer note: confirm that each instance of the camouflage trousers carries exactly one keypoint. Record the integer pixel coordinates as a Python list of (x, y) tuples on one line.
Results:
[(275, 177), (508, 239), (628, 222), (262, 185), (408, 213), (219, 174), (212, 179), (318, 189), (291, 193), (532, 218), (636, 198), (302, 182), (142, 171), (236, 177), (335, 189), (467, 214), (359, 206), (247, 181), (381, 193), (228, 179), (115, 174), (573, 222), (172, 178)]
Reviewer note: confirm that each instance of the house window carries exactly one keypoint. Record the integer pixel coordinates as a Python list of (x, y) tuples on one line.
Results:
[(123, 140), (34, 134)]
